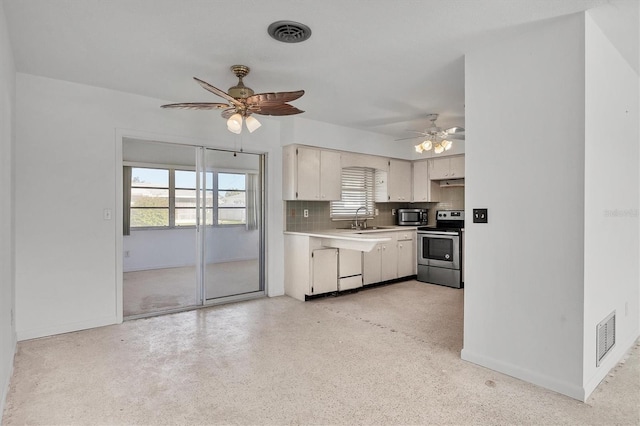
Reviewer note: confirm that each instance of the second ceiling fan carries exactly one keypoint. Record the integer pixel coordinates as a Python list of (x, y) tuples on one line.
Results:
[(243, 102), (435, 137)]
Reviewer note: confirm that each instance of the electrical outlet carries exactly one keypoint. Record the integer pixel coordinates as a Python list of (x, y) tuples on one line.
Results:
[(377, 212), (480, 216), (106, 214), (305, 213), (127, 253), (393, 212)]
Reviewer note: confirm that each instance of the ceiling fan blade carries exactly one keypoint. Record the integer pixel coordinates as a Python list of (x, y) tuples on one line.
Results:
[(196, 105), (274, 109), (454, 130), (227, 113), (456, 137), (410, 137), (274, 97), (217, 91)]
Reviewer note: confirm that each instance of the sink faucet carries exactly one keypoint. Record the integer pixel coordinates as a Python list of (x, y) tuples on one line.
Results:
[(356, 220)]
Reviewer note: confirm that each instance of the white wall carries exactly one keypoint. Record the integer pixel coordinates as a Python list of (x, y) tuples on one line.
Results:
[(611, 200), (524, 279), (68, 157), (7, 241), (153, 249), (7, 217), (315, 133), (566, 103), (66, 174)]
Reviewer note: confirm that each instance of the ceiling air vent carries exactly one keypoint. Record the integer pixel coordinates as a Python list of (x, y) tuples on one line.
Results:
[(289, 31), (605, 336)]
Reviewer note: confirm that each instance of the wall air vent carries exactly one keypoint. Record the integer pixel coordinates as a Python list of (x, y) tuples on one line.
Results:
[(605, 336)]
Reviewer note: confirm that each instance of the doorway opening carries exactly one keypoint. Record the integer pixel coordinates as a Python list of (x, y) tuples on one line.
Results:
[(193, 232)]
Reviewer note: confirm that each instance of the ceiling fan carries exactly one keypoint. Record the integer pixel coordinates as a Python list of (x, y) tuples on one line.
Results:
[(243, 102), (435, 137)]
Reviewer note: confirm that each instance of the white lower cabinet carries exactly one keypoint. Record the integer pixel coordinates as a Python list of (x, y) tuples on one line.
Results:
[(371, 271), (381, 263), (390, 260), (312, 269), (407, 255), (324, 267)]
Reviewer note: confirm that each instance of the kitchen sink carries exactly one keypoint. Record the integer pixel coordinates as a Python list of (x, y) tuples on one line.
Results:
[(376, 228), (369, 228)]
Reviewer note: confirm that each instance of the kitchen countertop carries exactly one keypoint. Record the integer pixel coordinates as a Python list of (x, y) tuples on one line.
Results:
[(352, 239)]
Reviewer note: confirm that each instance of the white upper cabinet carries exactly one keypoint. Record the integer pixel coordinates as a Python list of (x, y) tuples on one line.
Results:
[(421, 182), (310, 174), (399, 181), (456, 166), (446, 168), (330, 176)]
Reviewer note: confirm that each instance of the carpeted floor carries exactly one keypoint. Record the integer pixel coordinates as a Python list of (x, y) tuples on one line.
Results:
[(387, 355)]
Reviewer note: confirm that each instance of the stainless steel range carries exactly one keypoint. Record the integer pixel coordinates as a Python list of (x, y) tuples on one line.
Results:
[(440, 250)]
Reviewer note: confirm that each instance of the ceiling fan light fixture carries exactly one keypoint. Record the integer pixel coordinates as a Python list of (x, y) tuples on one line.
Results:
[(427, 145), (234, 123), (419, 148), (252, 123), (447, 144), (438, 148)]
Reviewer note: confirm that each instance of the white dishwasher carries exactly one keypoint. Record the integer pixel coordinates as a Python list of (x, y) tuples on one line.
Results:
[(350, 269)]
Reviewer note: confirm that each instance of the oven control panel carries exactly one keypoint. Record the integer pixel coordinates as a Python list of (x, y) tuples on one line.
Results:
[(450, 215)]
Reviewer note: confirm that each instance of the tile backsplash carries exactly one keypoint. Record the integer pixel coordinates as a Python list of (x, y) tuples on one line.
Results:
[(450, 199), (319, 216)]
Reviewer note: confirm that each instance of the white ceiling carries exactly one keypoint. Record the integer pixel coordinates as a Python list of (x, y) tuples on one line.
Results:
[(377, 65)]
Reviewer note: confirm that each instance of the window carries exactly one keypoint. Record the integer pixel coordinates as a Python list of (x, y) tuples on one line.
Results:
[(167, 198), (232, 198), (149, 197), (358, 190)]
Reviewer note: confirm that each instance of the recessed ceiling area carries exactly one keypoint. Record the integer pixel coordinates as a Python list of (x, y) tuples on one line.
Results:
[(377, 65)]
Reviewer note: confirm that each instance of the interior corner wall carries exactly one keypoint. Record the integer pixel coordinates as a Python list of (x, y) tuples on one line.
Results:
[(524, 121), (612, 186), (7, 217), (66, 167)]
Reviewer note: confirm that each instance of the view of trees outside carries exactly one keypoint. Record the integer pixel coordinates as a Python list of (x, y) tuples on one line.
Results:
[(151, 192), (149, 197), (232, 198)]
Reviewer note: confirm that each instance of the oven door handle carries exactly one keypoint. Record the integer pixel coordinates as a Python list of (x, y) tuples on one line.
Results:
[(437, 233)]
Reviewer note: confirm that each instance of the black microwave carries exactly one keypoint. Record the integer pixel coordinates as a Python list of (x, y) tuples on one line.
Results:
[(412, 217)]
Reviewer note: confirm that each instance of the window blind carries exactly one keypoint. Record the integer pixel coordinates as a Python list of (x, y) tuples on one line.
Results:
[(358, 190)]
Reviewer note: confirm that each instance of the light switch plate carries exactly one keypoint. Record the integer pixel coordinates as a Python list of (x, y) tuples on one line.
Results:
[(480, 216)]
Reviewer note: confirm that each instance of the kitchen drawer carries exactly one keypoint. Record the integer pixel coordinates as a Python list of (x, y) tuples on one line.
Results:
[(405, 236), (350, 283)]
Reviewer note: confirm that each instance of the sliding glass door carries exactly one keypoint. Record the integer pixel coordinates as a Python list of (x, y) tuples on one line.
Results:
[(159, 243), (193, 227), (232, 232)]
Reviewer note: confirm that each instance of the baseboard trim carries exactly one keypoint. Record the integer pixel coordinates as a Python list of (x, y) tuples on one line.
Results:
[(565, 388), (7, 382), (36, 333), (605, 368)]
